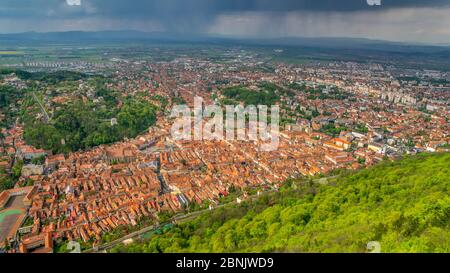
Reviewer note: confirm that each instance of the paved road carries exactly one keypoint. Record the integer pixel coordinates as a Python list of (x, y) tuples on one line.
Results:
[(44, 112)]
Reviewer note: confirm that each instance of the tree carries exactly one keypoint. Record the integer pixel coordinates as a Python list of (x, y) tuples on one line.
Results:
[(38, 160), (17, 169)]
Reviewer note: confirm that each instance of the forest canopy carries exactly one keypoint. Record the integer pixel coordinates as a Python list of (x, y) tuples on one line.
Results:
[(81, 125)]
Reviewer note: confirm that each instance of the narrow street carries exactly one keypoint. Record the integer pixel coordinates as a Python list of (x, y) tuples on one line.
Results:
[(44, 112)]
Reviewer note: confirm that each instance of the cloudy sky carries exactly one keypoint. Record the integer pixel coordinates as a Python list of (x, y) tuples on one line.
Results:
[(397, 20)]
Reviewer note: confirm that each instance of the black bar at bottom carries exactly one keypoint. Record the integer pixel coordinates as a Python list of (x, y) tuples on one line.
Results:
[(276, 262)]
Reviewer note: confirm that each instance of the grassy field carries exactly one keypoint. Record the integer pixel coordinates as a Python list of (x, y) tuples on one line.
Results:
[(9, 212), (10, 52)]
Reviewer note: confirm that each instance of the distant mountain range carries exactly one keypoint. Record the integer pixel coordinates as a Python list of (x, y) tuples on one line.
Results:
[(418, 56), (82, 37)]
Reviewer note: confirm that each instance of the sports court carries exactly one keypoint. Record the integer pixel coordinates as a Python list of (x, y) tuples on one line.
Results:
[(11, 217)]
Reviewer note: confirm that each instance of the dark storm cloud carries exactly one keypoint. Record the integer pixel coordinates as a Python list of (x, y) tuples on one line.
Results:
[(293, 5), (256, 17), (38, 9), (170, 10), (197, 15), (185, 8)]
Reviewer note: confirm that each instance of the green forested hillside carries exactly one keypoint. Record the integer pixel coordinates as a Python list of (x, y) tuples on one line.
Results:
[(85, 125), (405, 205)]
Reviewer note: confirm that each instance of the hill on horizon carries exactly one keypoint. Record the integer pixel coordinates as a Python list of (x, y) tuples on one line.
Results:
[(419, 56), (136, 36)]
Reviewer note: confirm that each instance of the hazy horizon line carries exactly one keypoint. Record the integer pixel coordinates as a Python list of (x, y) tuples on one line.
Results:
[(240, 37)]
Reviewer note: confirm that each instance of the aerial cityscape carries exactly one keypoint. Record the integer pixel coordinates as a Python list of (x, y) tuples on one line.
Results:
[(89, 161)]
